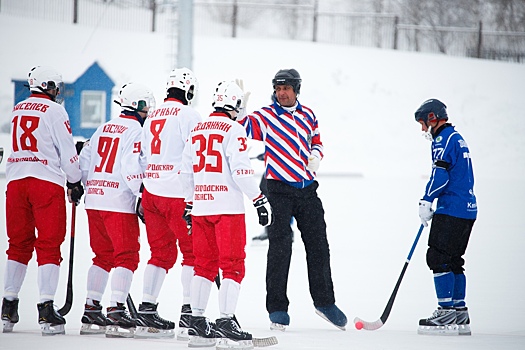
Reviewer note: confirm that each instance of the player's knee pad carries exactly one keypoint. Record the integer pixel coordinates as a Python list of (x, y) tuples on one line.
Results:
[(437, 261)]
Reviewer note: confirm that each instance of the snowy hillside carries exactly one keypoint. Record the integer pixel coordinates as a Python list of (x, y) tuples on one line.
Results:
[(364, 100)]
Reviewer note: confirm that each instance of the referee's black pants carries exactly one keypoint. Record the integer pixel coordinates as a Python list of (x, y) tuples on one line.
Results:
[(306, 207)]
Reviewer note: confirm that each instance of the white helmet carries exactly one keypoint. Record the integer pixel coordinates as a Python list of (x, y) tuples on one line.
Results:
[(185, 80), (228, 95), (43, 79), (135, 97)]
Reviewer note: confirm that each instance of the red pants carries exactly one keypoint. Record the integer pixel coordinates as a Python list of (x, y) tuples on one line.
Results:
[(219, 242), (114, 238), (165, 226), (32, 203)]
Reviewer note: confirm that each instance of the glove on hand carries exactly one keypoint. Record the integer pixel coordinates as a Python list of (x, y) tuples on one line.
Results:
[(187, 216), (244, 102), (314, 160), (79, 145), (139, 209), (75, 191), (425, 212), (264, 210)]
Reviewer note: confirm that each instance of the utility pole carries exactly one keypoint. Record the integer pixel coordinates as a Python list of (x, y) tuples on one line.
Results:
[(185, 39)]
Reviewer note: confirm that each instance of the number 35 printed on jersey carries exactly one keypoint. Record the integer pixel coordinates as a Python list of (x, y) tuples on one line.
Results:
[(210, 159)]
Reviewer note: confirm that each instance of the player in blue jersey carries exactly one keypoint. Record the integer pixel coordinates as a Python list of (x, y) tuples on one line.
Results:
[(293, 151), (451, 183)]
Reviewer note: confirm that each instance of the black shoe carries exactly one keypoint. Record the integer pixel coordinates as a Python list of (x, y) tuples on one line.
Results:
[(119, 322), (262, 237), (48, 314), (93, 320), (463, 320), (185, 316), (151, 325), (441, 317), (51, 322), (202, 327), (227, 327), (442, 322), (201, 331), (149, 317), (184, 323), (118, 316), (9, 314)]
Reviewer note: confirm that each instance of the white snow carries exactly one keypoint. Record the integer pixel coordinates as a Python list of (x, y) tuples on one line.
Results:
[(364, 99)]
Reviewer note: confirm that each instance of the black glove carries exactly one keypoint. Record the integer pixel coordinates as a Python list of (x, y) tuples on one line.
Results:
[(140, 210), (75, 191), (264, 210), (79, 145), (187, 216)]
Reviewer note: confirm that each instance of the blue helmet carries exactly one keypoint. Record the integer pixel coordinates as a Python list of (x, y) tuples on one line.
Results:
[(431, 110)]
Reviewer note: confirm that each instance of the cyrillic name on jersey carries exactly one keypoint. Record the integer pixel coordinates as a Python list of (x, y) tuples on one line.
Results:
[(213, 125), (114, 129), (28, 106)]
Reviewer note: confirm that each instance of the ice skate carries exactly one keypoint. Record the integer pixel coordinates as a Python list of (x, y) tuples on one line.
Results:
[(93, 320), (261, 239), (442, 322), (151, 325), (463, 321), (280, 320), (201, 332), (184, 323), (333, 315), (119, 322), (51, 323), (9, 314), (231, 335)]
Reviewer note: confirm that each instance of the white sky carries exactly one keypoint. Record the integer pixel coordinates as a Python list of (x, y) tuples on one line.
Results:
[(364, 100)]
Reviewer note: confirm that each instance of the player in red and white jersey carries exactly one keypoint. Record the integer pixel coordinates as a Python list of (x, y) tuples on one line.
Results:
[(217, 173), (42, 157), (164, 134), (112, 173)]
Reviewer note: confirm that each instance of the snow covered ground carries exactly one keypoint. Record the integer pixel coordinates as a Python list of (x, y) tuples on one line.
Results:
[(364, 99)]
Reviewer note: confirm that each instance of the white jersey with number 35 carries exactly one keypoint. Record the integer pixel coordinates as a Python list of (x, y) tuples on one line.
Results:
[(110, 164), (216, 168)]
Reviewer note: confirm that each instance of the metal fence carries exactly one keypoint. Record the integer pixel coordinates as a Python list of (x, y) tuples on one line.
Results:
[(296, 22)]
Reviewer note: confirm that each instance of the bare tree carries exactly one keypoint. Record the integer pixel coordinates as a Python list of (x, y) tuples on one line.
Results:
[(509, 15)]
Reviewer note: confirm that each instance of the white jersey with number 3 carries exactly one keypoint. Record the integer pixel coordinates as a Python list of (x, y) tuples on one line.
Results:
[(165, 133), (110, 164), (216, 168)]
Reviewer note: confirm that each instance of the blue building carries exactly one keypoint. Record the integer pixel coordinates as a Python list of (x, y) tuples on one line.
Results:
[(87, 100)]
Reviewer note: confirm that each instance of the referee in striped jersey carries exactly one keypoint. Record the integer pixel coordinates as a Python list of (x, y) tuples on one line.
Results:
[(293, 151)]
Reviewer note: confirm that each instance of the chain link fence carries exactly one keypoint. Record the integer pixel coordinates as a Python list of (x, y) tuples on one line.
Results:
[(280, 21)]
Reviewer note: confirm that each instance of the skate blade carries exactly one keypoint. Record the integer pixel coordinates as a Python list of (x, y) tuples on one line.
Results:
[(118, 332), (201, 342), (277, 327), (464, 329), (226, 343), (7, 326), (152, 332), (343, 328), (182, 334), (446, 330), (88, 329), (52, 329)]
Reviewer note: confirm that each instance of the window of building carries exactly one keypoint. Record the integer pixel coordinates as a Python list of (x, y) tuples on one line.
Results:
[(92, 108)]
